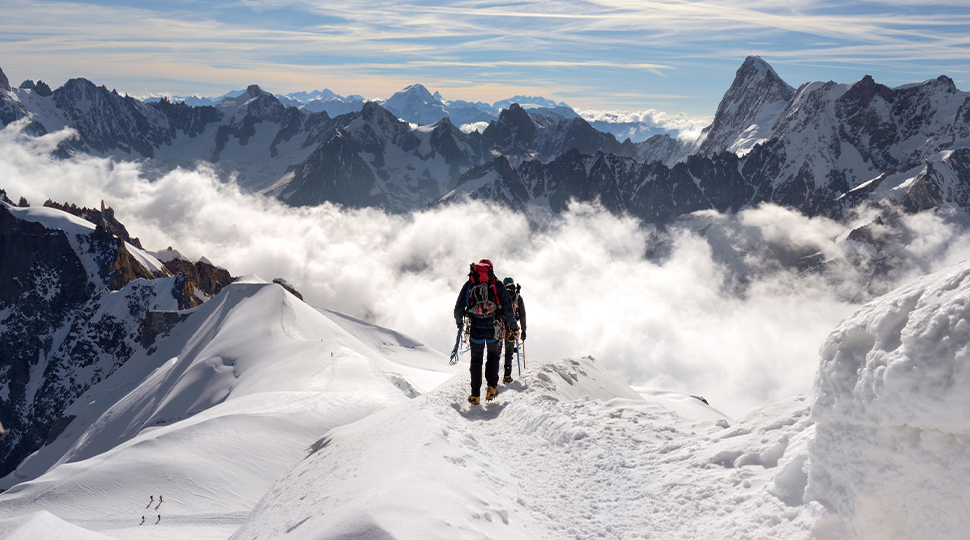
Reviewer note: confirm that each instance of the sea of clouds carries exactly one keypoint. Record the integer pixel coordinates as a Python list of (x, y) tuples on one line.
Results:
[(731, 307), (645, 123)]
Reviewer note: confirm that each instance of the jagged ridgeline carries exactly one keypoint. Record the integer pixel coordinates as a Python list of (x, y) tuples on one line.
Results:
[(823, 148), (78, 296)]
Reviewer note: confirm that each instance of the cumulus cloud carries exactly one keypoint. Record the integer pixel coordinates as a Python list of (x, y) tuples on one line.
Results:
[(474, 126), (732, 307)]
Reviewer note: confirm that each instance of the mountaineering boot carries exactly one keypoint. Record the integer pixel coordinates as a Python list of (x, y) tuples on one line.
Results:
[(473, 400), (507, 379), (491, 393)]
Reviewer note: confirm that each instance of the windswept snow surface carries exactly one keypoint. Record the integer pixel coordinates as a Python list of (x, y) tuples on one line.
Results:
[(892, 451), (566, 451), (44, 525)]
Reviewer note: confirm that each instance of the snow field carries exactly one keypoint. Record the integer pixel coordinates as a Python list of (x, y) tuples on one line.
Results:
[(224, 406), (567, 451)]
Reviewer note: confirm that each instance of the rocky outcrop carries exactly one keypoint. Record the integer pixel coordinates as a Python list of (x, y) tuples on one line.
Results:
[(105, 217), (125, 268), (159, 323), (195, 281), (286, 285)]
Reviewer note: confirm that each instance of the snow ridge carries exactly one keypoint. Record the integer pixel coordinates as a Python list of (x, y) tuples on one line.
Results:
[(566, 451)]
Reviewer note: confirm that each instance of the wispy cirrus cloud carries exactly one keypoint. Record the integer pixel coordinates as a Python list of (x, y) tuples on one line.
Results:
[(604, 54)]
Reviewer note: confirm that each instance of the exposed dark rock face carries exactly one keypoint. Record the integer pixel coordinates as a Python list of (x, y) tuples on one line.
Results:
[(520, 136), (196, 280), (43, 284), (11, 110), (72, 308), (42, 89), (190, 121), (107, 121), (947, 181), (160, 323), (334, 172)]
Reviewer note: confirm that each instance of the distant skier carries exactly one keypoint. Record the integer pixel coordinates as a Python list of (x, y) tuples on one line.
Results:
[(483, 299), (159, 519), (518, 306), (142, 520), (159, 499)]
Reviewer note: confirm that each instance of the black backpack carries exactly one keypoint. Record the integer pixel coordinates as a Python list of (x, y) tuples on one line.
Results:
[(514, 298)]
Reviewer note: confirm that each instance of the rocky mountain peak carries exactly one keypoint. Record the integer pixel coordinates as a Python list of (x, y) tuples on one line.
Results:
[(756, 97), (373, 111), (4, 82), (515, 115), (418, 92), (513, 124), (76, 85), (947, 83), (40, 87), (254, 90), (864, 90), (416, 104), (755, 66)]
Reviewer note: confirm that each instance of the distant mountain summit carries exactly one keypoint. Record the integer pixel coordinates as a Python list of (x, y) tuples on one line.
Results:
[(748, 111)]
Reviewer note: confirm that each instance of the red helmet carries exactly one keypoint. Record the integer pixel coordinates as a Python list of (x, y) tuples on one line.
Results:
[(486, 261)]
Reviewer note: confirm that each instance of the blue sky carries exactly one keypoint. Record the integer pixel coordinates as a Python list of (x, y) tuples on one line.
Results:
[(676, 56)]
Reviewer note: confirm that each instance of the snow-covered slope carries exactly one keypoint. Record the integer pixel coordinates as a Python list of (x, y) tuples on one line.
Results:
[(261, 417), (567, 451), (892, 449), (223, 406), (44, 525)]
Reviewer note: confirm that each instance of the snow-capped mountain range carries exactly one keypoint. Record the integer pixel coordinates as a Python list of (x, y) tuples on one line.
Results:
[(251, 414), (823, 148), (414, 104)]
